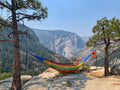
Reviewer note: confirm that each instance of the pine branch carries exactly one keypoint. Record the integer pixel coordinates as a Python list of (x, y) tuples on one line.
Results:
[(9, 35), (30, 17), (2, 4), (21, 19), (21, 7)]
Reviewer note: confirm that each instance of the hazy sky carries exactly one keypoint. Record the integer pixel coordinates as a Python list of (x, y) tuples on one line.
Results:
[(78, 16)]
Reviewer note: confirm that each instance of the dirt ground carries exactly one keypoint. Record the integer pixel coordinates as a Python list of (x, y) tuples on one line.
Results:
[(101, 82)]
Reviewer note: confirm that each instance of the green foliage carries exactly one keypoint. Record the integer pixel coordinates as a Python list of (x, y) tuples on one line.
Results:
[(5, 75), (0, 69), (104, 30), (85, 67), (74, 59)]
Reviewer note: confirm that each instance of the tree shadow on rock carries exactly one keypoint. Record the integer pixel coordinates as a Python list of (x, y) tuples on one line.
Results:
[(72, 81)]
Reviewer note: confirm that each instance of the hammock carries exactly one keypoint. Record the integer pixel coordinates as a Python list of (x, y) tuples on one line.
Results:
[(64, 68)]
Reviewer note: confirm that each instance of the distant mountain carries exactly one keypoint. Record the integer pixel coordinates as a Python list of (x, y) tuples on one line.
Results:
[(62, 42), (85, 38), (33, 66)]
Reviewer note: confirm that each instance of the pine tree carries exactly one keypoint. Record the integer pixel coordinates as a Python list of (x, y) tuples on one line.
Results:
[(18, 11), (106, 33)]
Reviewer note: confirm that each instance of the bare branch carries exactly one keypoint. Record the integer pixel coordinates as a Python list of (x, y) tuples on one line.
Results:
[(10, 34), (6, 40), (25, 33), (9, 18), (21, 19), (2, 4)]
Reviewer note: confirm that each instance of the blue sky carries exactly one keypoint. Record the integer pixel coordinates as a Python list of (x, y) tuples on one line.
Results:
[(78, 16)]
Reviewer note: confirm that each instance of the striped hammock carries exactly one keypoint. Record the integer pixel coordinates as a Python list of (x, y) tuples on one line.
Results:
[(64, 68)]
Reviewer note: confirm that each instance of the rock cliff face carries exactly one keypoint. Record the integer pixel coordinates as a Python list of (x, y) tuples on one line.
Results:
[(61, 42), (113, 59), (53, 80)]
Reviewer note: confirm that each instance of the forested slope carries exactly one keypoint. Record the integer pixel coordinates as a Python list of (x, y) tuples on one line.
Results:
[(29, 65)]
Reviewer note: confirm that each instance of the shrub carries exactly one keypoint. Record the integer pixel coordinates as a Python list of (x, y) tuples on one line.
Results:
[(85, 67), (5, 75)]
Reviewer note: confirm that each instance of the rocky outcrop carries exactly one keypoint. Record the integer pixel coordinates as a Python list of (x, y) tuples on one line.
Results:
[(62, 42), (53, 80), (115, 70), (6, 84)]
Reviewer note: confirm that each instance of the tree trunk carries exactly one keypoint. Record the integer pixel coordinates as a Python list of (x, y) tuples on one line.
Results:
[(106, 72), (16, 82)]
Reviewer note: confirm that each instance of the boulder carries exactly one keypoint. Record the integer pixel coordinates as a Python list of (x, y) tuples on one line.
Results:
[(6, 83), (115, 70)]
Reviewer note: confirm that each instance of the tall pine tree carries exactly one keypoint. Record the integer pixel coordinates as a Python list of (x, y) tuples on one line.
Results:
[(18, 11), (106, 33)]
